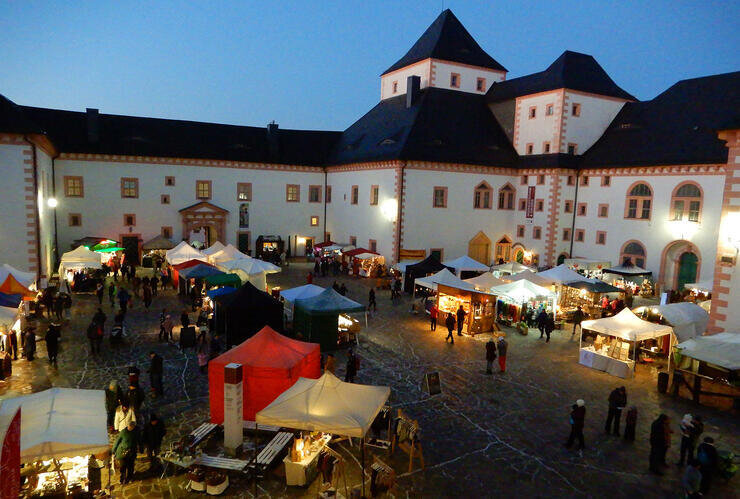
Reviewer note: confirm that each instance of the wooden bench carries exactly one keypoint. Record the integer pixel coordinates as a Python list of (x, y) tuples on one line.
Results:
[(201, 433), (221, 463), (251, 426), (272, 452)]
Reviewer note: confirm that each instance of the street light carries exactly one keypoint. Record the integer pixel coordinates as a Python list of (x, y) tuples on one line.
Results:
[(52, 202)]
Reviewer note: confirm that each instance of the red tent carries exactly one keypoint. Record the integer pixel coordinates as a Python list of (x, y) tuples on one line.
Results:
[(325, 243), (271, 363), (183, 266)]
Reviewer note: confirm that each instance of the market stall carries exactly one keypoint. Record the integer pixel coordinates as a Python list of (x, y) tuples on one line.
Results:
[(251, 270), (479, 306), (688, 320), (10, 324), (293, 294), (616, 336), (175, 270), (269, 248), (564, 280), (587, 267), (590, 295), (509, 268), (77, 266), (700, 291), (60, 429), (465, 267), (155, 251), (514, 299), (533, 277), (630, 277), (25, 279), (317, 319), (706, 370), (228, 253), (223, 279), (183, 252), (271, 363), (241, 314), (368, 264), (428, 266), (324, 407), (214, 248), (485, 281)]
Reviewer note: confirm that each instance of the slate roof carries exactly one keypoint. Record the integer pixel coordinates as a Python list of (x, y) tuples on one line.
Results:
[(677, 127), (571, 70), (13, 120), (447, 39), (441, 125), (137, 136)]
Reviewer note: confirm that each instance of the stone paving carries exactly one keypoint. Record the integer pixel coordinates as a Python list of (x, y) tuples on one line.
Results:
[(483, 436)]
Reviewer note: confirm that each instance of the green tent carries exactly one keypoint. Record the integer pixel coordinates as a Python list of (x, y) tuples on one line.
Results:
[(232, 280), (317, 318)]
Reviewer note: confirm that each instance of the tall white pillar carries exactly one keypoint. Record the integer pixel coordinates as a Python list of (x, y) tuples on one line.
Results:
[(233, 412)]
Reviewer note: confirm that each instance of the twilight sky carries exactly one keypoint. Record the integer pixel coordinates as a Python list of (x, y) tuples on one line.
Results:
[(316, 65)]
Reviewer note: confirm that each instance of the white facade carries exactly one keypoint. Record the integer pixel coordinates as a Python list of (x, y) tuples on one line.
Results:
[(595, 114), (541, 129), (396, 80)]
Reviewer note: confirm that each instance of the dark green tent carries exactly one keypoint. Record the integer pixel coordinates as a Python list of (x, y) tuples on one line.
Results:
[(232, 280), (317, 318)]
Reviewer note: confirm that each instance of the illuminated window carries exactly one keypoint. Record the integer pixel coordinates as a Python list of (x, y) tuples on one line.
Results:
[(244, 191), (129, 187), (639, 202), (686, 202), (73, 187), (292, 193), (314, 221), (203, 189)]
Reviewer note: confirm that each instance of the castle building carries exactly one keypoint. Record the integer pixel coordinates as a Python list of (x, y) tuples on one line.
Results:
[(455, 159)]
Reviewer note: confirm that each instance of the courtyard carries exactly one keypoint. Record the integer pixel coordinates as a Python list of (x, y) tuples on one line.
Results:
[(482, 436)]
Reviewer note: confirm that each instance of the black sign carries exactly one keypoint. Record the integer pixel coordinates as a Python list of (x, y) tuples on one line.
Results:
[(431, 383)]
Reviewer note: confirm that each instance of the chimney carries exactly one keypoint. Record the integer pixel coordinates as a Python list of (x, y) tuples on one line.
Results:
[(273, 145), (413, 85), (93, 125)]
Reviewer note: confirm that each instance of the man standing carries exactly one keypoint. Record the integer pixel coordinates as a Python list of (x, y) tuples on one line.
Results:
[(112, 293), (549, 326), (577, 420), (29, 343), (707, 456), (577, 319), (124, 451), (156, 370), (658, 445), (433, 312), (450, 323), (541, 321), (460, 319), (351, 372), (99, 290), (490, 355), (52, 342), (371, 300), (502, 347), (162, 318), (617, 402), (154, 432), (123, 299)]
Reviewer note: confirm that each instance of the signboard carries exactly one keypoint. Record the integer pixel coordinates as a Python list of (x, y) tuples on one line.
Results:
[(530, 201), (432, 384)]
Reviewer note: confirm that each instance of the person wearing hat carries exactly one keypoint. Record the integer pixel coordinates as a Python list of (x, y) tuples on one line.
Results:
[(577, 420)]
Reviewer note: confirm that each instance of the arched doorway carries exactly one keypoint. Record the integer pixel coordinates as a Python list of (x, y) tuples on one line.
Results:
[(208, 219), (503, 249), (680, 264), (561, 258), (479, 248), (518, 252)]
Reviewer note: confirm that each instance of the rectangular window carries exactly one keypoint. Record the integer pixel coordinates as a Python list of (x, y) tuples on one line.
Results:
[(353, 240), (355, 195), (373, 246), (519, 231), (480, 84), (129, 219), (603, 210), (169, 181), (539, 205), (522, 204), (546, 147), (581, 209), (549, 110), (440, 197), (525, 179), (537, 233), (166, 232), (314, 221), (678, 210), (244, 191), (569, 206), (540, 180), (530, 148), (395, 87), (572, 148), (571, 180), (606, 181), (164, 199), (74, 219), (203, 189), (645, 209), (580, 235), (374, 195), (73, 187), (129, 187), (576, 109), (328, 194), (566, 234), (532, 112), (632, 208), (455, 80), (314, 193), (584, 180), (292, 193), (600, 237), (694, 207)]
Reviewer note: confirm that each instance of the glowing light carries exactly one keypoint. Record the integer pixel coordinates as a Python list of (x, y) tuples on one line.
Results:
[(389, 209), (683, 229), (52, 202), (301, 240)]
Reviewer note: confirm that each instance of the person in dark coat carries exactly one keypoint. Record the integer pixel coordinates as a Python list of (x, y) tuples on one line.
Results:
[(541, 321), (503, 348), (135, 397), (343, 290), (153, 433), (577, 319), (156, 371), (617, 402), (351, 367), (29, 343), (549, 326), (707, 456), (577, 420), (58, 307), (123, 299), (112, 294), (124, 451), (112, 401), (490, 355), (630, 424), (53, 333), (99, 291), (147, 295), (184, 319), (371, 303), (460, 319), (450, 323), (99, 318), (658, 445), (93, 335)]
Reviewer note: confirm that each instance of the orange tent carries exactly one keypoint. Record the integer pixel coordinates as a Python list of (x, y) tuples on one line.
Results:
[(271, 363), (11, 286)]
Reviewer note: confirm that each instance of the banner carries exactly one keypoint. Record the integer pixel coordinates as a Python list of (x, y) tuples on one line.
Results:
[(530, 201), (10, 459)]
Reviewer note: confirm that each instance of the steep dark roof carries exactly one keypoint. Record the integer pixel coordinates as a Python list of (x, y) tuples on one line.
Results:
[(441, 125), (571, 70), (137, 136), (13, 120), (676, 127), (556, 160), (447, 39)]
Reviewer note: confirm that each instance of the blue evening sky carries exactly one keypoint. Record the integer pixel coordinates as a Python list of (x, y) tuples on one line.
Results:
[(316, 65)]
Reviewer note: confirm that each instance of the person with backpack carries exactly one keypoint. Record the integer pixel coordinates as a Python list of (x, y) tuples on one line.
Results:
[(490, 355), (352, 364)]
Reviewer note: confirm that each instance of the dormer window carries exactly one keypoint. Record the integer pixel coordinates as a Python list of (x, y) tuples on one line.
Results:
[(455, 80), (480, 84)]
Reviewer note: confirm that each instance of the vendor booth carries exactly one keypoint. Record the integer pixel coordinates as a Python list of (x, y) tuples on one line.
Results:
[(183, 252), (60, 429), (630, 277), (175, 270), (324, 407), (229, 252), (700, 291), (588, 267), (271, 363), (706, 370), (618, 339), (509, 268), (250, 270), (223, 279), (269, 248), (324, 319), (214, 248), (368, 264), (478, 306), (466, 267), (515, 299), (430, 265), (293, 294), (589, 295), (239, 315), (77, 266), (155, 251), (533, 277), (688, 320), (485, 281)]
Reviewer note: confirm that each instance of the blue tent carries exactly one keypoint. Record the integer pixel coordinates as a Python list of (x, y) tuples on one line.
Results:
[(10, 300), (199, 271), (212, 293), (317, 317)]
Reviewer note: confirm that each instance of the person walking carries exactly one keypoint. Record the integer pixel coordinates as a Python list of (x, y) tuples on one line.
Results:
[(352, 362), (502, 348), (124, 451), (123, 299), (707, 456), (135, 398), (577, 420), (53, 333), (371, 303), (617, 402), (156, 371), (490, 355), (549, 326), (29, 343), (99, 318), (58, 306), (461, 313), (433, 312), (154, 432), (541, 321), (577, 319), (162, 318), (658, 447), (146, 295), (168, 326), (112, 401), (630, 424), (99, 291), (202, 349), (450, 323), (686, 427), (691, 480), (124, 415), (112, 293), (92, 335)]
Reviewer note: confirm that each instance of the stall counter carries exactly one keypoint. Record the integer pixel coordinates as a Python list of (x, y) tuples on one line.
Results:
[(591, 358), (304, 471)]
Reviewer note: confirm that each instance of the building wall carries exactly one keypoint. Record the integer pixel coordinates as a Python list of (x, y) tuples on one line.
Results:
[(442, 70), (421, 69), (45, 191), (596, 113), (541, 128)]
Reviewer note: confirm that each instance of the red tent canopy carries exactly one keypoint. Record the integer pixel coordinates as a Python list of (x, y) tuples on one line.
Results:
[(359, 251), (11, 286), (325, 243), (184, 265), (271, 363)]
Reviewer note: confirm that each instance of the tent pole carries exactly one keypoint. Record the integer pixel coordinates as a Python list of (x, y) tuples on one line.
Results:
[(362, 452), (254, 456)]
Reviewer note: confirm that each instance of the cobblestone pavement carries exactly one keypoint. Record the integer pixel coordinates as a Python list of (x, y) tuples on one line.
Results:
[(483, 436)]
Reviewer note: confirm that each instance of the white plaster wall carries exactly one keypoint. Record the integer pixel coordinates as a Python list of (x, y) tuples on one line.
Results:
[(14, 247), (362, 220), (540, 129), (519, 217), (441, 72), (564, 220), (46, 214), (386, 82), (102, 208), (595, 116)]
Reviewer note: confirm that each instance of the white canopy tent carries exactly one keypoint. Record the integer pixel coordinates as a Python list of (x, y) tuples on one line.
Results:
[(26, 279), (229, 252), (184, 252), (446, 278), (706, 305), (688, 320), (305, 291), (369, 256), (8, 317), (250, 269), (627, 271), (60, 422), (485, 281), (530, 276), (465, 264), (214, 248), (586, 264), (562, 274), (509, 268), (79, 258), (703, 286), (522, 291), (721, 349)]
